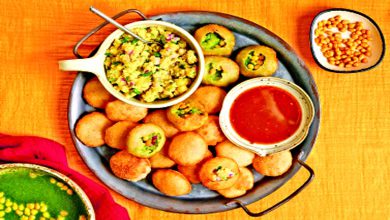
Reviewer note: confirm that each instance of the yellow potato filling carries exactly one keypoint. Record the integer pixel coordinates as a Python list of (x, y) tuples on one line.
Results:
[(151, 72)]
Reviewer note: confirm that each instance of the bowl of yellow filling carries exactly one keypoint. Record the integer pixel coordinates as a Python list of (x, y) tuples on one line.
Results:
[(153, 75)]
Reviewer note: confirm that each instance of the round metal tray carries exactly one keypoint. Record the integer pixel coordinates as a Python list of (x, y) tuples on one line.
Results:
[(202, 200)]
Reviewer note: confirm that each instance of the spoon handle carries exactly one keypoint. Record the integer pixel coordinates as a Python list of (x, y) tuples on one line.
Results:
[(116, 24)]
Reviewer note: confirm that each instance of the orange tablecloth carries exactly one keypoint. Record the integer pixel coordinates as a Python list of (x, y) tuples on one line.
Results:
[(351, 156)]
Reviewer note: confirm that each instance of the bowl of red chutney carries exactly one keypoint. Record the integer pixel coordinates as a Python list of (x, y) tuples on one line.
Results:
[(266, 115)]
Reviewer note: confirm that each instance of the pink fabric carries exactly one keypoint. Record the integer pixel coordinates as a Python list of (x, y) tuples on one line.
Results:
[(45, 152)]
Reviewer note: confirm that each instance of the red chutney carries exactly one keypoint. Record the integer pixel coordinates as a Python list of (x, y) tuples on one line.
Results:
[(265, 115)]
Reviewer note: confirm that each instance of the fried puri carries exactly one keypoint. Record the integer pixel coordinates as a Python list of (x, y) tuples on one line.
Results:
[(95, 94), (220, 71), (211, 132), (145, 140), (257, 60), (171, 182), (187, 115), (274, 164), (159, 117), (219, 173), (116, 135), (128, 167), (227, 149), (161, 159), (215, 40), (211, 97), (192, 172), (187, 148), (245, 182), (119, 111), (91, 127)]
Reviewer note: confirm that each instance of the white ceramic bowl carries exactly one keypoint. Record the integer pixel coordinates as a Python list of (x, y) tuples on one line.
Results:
[(294, 140), (377, 44), (95, 64)]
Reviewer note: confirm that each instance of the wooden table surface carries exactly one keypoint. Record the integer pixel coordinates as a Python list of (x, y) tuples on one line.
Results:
[(350, 157)]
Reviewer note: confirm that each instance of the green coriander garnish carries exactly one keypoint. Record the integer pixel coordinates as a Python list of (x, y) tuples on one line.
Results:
[(136, 91), (134, 41), (146, 74), (125, 39), (218, 75), (157, 54)]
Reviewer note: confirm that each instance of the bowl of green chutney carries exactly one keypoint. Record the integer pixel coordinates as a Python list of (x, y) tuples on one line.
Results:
[(29, 191)]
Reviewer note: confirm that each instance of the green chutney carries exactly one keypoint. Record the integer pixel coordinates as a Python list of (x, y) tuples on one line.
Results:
[(31, 194)]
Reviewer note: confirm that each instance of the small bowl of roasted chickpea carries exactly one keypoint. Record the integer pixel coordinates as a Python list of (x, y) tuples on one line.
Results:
[(346, 41)]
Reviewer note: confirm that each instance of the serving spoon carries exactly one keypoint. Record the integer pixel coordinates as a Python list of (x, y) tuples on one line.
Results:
[(121, 27)]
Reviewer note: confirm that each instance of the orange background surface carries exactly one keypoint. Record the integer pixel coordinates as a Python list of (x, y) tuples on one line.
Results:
[(350, 157)]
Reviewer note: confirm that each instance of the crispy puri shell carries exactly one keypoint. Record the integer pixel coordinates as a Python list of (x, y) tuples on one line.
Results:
[(207, 175), (171, 182), (230, 74), (245, 182), (135, 144), (116, 135), (91, 127), (269, 66), (159, 117), (211, 97), (211, 131), (208, 155), (274, 164), (192, 121), (161, 158), (187, 148), (95, 94), (222, 31), (192, 172), (129, 167), (227, 149), (119, 111)]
